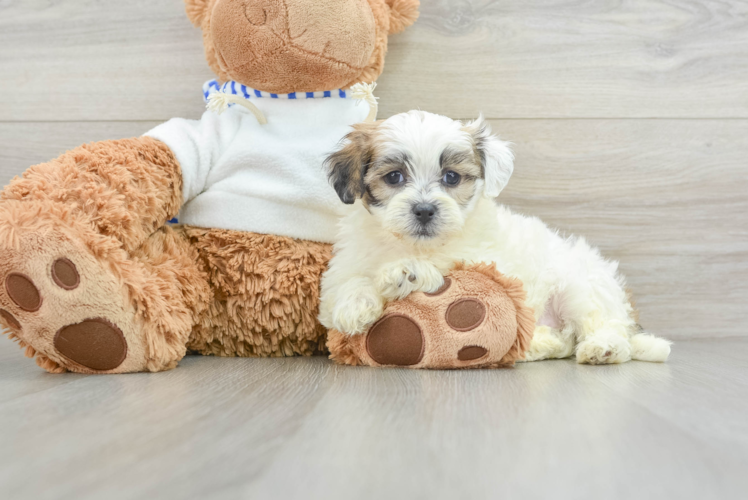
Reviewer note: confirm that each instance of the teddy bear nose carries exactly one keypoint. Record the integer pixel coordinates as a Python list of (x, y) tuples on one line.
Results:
[(256, 11), (424, 212)]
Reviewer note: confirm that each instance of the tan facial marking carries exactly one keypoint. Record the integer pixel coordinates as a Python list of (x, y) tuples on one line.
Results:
[(377, 191), (467, 165)]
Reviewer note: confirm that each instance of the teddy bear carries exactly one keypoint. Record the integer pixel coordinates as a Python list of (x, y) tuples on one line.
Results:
[(96, 280)]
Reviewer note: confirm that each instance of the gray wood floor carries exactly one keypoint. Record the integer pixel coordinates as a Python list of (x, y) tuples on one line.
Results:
[(305, 428)]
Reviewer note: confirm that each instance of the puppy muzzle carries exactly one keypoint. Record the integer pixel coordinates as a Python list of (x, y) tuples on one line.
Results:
[(425, 218)]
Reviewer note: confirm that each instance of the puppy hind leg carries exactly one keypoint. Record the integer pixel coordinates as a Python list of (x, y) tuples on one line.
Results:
[(597, 306), (606, 344), (550, 343)]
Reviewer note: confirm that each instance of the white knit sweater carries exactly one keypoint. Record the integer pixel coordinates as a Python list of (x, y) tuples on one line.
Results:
[(238, 174)]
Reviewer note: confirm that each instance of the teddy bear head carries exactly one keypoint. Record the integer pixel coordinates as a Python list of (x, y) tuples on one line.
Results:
[(284, 46)]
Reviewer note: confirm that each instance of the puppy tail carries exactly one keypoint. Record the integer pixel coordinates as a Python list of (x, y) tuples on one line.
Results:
[(646, 347)]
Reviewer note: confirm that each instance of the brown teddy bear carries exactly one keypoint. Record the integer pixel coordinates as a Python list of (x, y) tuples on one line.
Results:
[(96, 281)]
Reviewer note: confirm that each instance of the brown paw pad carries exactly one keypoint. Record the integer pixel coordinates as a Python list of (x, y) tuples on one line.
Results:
[(465, 314), (65, 274), (23, 292), (395, 340), (94, 343), (471, 352)]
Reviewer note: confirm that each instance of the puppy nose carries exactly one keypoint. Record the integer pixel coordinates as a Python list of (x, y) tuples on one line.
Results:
[(424, 212)]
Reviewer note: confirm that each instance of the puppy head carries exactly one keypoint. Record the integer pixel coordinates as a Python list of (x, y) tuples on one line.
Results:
[(420, 174)]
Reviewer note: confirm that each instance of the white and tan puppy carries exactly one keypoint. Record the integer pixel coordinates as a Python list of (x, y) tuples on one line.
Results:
[(423, 189)]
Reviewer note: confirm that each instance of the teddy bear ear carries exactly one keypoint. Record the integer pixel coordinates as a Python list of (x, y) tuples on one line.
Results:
[(196, 10), (403, 13)]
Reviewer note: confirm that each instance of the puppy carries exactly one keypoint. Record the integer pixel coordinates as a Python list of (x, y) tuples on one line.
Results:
[(423, 191)]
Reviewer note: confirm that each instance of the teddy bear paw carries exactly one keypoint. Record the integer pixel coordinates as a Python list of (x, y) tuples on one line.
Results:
[(58, 300), (472, 320)]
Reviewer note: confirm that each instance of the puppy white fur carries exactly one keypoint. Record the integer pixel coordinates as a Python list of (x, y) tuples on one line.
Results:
[(423, 189)]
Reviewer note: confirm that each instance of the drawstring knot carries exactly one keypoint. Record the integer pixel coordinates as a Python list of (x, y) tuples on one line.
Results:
[(365, 92), (219, 102)]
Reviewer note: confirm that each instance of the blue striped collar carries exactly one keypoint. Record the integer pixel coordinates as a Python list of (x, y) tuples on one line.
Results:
[(238, 89)]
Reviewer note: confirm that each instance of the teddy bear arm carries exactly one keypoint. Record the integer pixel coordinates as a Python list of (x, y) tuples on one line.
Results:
[(126, 188)]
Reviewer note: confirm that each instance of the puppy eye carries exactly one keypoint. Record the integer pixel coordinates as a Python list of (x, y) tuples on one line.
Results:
[(394, 178), (451, 178)]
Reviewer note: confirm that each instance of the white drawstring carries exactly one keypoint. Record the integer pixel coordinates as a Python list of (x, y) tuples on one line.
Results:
[(219, 102), (365, 92)]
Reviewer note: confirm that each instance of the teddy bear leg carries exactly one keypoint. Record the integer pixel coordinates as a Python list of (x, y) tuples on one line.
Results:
[(124, 189), (265, 294), (81, 304), (85, 281)]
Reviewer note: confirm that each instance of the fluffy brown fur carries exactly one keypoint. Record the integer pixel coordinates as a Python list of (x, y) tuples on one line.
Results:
[(506, 330), (127, 188), (265, 294)]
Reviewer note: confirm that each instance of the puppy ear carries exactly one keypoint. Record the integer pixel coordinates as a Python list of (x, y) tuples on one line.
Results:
[(196, 10), (403, 13), (347, 166), (495, 155)]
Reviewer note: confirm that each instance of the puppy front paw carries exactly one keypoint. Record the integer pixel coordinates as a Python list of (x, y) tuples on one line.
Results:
[(396, 280), (428, 278), (399, 279), (355, 313)]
